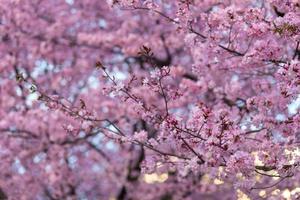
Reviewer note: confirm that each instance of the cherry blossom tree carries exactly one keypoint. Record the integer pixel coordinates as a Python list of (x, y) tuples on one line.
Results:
[(149, 99)]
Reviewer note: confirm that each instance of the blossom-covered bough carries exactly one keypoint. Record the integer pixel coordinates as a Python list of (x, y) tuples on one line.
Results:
[(149, 99)]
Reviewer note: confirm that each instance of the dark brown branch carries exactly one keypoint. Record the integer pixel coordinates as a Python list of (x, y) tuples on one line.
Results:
[(270, 186), (192, 150)]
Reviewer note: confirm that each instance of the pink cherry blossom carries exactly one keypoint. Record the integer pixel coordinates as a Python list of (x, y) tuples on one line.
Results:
[(149, 99)]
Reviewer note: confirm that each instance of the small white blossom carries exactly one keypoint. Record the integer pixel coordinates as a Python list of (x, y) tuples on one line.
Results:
[(70, 128), (119, 86), (145, 81)]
